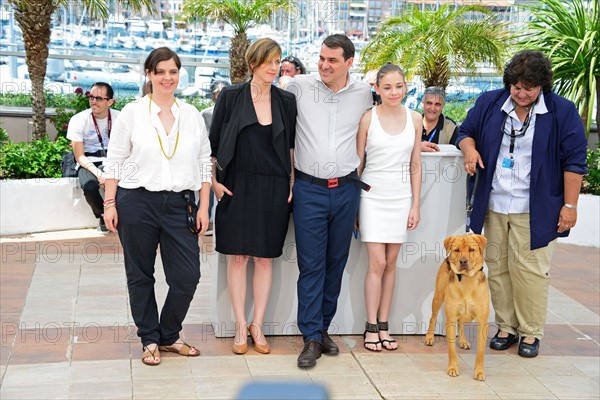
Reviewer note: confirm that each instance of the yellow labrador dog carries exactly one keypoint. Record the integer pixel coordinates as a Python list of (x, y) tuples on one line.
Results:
[(462, 286)]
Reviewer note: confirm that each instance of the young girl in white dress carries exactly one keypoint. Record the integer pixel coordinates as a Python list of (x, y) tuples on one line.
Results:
[(390, 134)]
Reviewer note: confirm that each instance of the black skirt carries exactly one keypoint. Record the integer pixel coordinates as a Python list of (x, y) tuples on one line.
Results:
[(254, 221)]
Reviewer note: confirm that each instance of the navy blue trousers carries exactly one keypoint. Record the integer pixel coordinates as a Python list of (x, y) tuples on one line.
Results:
[(323, 222), (148, 220)]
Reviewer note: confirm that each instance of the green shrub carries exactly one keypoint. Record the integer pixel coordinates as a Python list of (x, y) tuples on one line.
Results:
[(453, 109), (457, 110), (76, 103), (15, 99), (3, 138), (38, 159), (591, 181)]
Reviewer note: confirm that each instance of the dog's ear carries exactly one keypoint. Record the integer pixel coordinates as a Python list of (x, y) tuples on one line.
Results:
[(481, 241), (448, 243)]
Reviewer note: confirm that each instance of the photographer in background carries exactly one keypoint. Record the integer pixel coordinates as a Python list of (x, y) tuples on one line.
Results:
[(89, 132)]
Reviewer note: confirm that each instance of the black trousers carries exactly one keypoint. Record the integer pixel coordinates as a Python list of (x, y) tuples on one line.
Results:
[(91, 189), (148, 220)]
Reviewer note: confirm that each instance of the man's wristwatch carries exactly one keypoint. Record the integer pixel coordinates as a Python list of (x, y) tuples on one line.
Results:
[(571, 206)]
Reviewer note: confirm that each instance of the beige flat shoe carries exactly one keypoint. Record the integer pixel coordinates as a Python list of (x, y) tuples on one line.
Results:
[(155, 354)]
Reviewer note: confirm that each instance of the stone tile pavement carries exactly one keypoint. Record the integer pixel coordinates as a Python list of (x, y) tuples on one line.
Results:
[(67, 333)]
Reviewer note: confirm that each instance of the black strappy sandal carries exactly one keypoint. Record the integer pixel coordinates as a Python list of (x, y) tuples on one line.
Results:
[(384, 326), (371, 328)]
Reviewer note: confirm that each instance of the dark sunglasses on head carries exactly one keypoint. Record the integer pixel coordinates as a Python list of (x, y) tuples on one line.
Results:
[(97, 98), (291, 59)]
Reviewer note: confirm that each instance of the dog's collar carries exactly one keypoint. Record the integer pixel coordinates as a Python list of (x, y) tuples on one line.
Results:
[(459, 276)]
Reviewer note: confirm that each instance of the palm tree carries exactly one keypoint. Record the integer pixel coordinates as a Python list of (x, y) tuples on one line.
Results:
[(241, 15), (35, 18), (436, 44), (569, 33)]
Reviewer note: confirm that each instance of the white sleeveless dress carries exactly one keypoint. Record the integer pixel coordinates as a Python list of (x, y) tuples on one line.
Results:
[(383, 211)]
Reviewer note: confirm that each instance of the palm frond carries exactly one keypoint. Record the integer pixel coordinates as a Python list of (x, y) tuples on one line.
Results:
[(436, 44), (568, 33)]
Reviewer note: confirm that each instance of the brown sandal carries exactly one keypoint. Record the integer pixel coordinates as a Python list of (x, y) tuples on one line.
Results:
[(151, 353), (183, 351)]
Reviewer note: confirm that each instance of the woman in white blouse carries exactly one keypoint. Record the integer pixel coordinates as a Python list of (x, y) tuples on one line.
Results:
[(159, 156)]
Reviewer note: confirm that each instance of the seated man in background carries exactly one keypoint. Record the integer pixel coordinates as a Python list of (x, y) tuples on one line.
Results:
[(437, 129), (89, 132)]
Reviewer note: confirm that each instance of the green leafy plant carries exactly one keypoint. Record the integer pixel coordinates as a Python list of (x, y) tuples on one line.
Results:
[(78, 102), (15, 99), (38, 159), (438, 44), (591, 181), (4, 139), (569, 33), (199, 102)]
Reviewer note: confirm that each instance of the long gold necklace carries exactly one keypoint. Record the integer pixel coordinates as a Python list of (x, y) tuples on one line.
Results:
[(158, 134)]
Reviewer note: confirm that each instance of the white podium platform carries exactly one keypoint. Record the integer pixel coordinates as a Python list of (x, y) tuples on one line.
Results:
[(442, 213)]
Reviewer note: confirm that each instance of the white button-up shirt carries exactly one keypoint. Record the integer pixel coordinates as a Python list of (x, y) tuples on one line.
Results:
[(327, 124), (135, 157), (510, 187)]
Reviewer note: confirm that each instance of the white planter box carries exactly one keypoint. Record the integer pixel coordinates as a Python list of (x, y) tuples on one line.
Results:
[(43, 204), (586, 231)]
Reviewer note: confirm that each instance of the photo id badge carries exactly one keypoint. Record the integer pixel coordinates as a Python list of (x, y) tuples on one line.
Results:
[(508, 163)]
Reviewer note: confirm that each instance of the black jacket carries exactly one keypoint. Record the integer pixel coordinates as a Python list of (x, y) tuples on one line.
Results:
[(234, 111)]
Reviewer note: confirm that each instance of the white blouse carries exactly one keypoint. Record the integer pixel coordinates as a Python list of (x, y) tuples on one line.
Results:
[(137, 158)]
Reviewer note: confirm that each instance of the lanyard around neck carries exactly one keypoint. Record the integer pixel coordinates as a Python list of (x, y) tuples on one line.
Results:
[(98, 129), (518, 133), (432, 135)]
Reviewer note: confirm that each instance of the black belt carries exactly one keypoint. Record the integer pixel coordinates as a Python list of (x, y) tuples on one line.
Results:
[(335, 182), (99, 153)]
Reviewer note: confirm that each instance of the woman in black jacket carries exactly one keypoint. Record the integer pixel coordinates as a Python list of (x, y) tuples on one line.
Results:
[(252, 139)]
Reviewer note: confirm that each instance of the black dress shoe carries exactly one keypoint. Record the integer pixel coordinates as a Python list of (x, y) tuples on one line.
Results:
[(309, 355), (529, 350), (329, 347), (498, 343)]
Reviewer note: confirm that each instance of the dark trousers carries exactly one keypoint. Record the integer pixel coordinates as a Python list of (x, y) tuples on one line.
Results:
[(91, 189), (148, 220), (323, 221)]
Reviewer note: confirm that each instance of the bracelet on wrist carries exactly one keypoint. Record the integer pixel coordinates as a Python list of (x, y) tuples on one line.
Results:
[(110, 205), (571, 206), (109, 201)]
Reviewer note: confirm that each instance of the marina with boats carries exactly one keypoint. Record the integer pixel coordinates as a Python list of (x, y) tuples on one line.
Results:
[(81, 54)]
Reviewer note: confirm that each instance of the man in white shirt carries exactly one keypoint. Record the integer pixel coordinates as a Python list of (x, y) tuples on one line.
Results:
[(326, 188), (89, 132)]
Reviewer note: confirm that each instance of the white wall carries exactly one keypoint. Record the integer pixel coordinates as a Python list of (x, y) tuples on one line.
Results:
[(43, 204), (587, 231)]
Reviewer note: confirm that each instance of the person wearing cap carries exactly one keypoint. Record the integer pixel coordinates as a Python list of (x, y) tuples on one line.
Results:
[(291, 66), (437, 128), (207, 114)]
